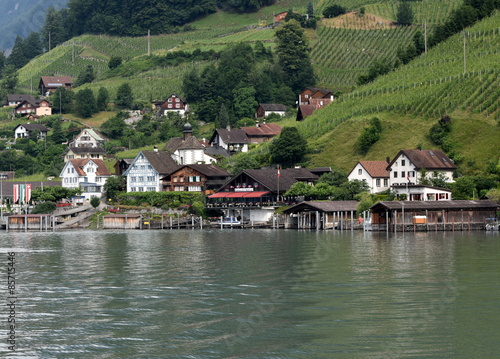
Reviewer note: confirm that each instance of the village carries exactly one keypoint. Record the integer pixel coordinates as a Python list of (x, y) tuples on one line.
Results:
[(251, 198)]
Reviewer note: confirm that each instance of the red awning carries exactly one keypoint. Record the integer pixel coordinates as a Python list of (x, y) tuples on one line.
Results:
[(253, 194)]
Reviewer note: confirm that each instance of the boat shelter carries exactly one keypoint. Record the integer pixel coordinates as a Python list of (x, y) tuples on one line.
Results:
[(458, 215), (122, 221), (322, 215)]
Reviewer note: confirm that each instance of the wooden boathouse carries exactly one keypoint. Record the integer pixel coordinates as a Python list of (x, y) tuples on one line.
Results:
[(453, 215), (322, 215), (122, 221), (30, 222)]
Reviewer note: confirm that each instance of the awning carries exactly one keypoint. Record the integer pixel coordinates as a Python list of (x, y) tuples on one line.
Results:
[(253, 194)]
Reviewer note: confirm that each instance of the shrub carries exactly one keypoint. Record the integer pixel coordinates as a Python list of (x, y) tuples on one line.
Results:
[(44, 208)]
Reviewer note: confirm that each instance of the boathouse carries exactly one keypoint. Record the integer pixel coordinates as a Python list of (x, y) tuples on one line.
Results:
[(322, 215), (122, 221), (459, 215), (27, 222)]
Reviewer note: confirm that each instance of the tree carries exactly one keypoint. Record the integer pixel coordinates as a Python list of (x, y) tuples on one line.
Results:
[(53, 193), (334, 178), (95, 202), (84, 103), (114, 62), (18, 57), (115, 126), (289, 148), (85, 76), (369, 135), (57, 133), (102, 99), (62, 100), (124, 96), (114, 185), (404, 15), (293, 56), (44, 208), (244, 102), (334, 11)]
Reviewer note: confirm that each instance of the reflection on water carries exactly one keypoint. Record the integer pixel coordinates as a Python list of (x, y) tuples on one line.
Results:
[(256, 294)]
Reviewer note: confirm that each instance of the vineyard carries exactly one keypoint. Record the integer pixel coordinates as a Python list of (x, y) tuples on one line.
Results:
[(340, 56), (432, 85)]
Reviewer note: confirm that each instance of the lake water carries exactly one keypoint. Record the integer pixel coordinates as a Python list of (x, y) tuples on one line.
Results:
[(252, 294)]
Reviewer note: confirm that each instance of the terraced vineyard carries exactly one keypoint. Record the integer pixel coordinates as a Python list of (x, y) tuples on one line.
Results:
[(340, 56), (430, 86)]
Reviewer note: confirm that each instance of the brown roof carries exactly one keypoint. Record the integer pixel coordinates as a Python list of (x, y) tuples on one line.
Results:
[(161, 161), (55, 81), (273, 107), (428, 159), (375, 168), (235, 135), (95, 150), (270, 129), (434, 205), (319, 90), (269, 177), (190, 143), (304, 111), (323, 206), (208, 170), (173, 144), (79, 163)]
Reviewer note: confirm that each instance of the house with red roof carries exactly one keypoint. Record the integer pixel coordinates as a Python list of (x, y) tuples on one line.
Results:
[(262, 132), (89, 175), (50, 84), (374, 173)]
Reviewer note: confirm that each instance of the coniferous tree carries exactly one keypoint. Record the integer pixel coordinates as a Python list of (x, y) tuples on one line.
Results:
[(124, 96), (85, 76), (293, 55), (404, 15), (84, 103), (102, 99), (18, 56)]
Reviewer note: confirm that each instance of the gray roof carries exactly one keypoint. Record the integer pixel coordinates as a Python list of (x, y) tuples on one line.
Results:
[(428, 159), (161, 161), (217, 151), (33, 126), (235, 135), (323, 206), (19, 98), (434, 205), (273, 107)]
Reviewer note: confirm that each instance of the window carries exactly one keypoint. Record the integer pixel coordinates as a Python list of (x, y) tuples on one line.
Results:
[(377, 181), (175, 179), (360, 171), (177, 105), (395, 174), (386, 182), (403, 174), (132, 189), (403, 162), (151, 178), (169, 105), (194, 189), (151, 189)]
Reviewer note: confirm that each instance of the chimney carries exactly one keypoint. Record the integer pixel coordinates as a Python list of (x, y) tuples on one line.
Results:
[(155, 149), (256, 123), (388, 159)]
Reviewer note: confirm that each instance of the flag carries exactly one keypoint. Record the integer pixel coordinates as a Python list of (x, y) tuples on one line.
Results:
[(15, 195), (22, 192), (279, 174), (28, 193), (408, 176)]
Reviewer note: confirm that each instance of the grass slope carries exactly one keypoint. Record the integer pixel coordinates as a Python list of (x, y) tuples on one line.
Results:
[(411, 99)]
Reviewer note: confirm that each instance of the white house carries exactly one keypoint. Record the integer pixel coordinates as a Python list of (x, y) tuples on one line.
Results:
[(410, 165), (374, 173), (88, 138), (24, 130), (416, 192), (89, 175), (147, 169), (232, 140), (188, 150), (174, 104)]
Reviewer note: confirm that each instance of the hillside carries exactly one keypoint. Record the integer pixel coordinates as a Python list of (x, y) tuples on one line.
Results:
[(411, 99), (408, 101)]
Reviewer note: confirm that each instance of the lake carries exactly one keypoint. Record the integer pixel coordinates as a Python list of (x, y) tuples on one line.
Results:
[(250, 294)]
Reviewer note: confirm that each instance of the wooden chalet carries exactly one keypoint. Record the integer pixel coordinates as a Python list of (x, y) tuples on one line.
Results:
[(205, 178), (262, 132), (38, 107), (50, 84)]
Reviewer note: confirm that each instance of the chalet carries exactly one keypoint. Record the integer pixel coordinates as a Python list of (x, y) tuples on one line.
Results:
[(315, 96), (38, 107), (174, 104), (411, 166), (266, 109), (122, 165), (374, 173), (262, 132), (14, 100), (255, 194), (89, 175), (197, 178), (232, 140), (188, 150), (84, 152), (50, 84), (88, 138), (146, 171), (25, 130)]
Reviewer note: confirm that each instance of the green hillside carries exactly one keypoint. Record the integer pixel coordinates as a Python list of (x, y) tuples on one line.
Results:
[(411, 99)]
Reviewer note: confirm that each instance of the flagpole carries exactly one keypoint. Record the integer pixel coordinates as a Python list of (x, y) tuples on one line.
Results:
[(279, 174)]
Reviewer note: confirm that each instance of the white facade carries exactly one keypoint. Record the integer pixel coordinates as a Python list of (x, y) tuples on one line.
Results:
[(236, 147), (142, 177), (21, 132), (87, 138), (376, 184), (191, 156), (423, 193), (83, 174), (403, 171)]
